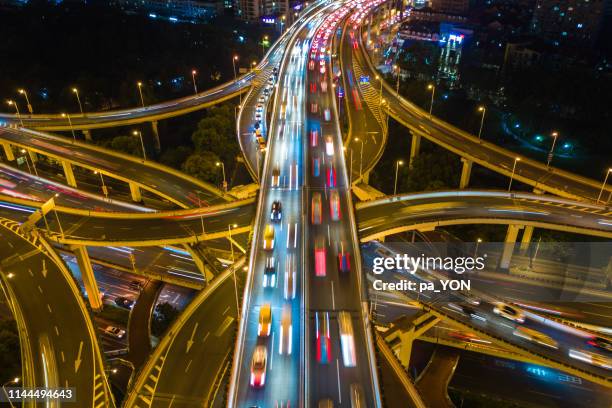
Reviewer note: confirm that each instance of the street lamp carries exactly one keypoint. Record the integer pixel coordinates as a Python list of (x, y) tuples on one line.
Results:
[(195, 86), (234, 59), (482, 109), (24, 93), (396, 69), (64, 115), (263, 45), (104, 189), (380, 91), (253, 65), (603, 185), (13, 103), (76, 92), (24, 152), (431, 87), (351, 166), (13, 381), (552, 148), (516, 160), (140, 92), (360, 155), (139, 133), (219, 163), (397, 164), (478, 241), (229, 229)]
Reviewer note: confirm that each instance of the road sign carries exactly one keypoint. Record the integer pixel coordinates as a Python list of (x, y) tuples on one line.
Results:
[(364, 79)]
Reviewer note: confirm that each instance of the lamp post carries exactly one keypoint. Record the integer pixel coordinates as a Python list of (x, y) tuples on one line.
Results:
[(67, 115), (234, 59), (432, 87), (516, 160), (13, 381), (195, 86), (139, 84), (380, 90), (552, 148), (478, 241), (104, 189), (397, 164), (139, 133), (263, 45), (25, 155), (220, 163), (396, 68), (13, 103), (253, 65), (76, 92), (482, 109), (350, 165), (360, 155), (24, 93), (229, 229), (603, 185)]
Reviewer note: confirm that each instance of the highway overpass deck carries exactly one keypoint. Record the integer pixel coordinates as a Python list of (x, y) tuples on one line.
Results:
[(475, 150)]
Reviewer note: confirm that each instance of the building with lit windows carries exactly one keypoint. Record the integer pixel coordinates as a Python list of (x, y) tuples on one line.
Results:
[(450, 6), (575, 22)]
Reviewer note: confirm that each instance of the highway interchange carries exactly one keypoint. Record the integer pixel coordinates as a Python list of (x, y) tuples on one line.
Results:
[(289, 177)]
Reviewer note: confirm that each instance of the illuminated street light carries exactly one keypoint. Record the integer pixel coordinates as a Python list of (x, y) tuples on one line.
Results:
[(552, 148), (229, 229), (482, 109), (516, 160), (13, 381), (397, 164), (193, 75), (76, 92), (432, 87), (603, 185), (253, 65), (139, 133), (139, 84), (104, 189), (234, 59), (13, 103), (263, 45), (396, 69), (67, 115), (24, 93), (25, 155), (478, 241), (219, 163)]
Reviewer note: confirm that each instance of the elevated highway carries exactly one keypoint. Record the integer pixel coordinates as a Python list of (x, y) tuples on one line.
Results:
[(471, 149), (59, 345)]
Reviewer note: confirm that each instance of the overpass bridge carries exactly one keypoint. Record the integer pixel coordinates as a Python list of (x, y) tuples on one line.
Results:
[(470, 148)]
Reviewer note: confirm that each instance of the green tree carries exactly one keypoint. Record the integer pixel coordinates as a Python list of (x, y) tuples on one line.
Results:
[(203, 166), (10, 355), (175, 156)]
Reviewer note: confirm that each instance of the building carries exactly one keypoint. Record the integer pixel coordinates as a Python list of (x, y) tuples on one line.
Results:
[(450, 6), (268, 11), (428, 14), (173, 10), (568, 22)]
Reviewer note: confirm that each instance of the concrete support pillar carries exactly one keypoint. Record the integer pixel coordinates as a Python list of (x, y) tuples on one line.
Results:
[(156, 135), (70, 180), (136, 194), (87, 134), (466, 171), (89, 280), (8, 152), (526, 239), (199, 261), (415, 147), (33, 156), (366, 178), (504, 261), (405, 348)]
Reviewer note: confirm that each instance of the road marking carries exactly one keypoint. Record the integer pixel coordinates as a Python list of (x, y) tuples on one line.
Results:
[(188, 365), (205, 337), (295, 236), (190, 341), (328, 236), (225, 311), (171, 401), (44, 268), (272, 354), (56, 331), (224, 326), (338, 373), (63, 357), (332, 296), (40, 289), (30, 272), (49, 308), (77, 362)]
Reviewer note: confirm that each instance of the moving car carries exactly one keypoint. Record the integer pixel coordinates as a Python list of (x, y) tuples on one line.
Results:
[(331, 177), (320, 258), (275, 177), (290, 279), (592, 358), (357, 398), (601, 343), (314, 108), (316, 166), (124, 302), (269, 278), (325, 403), (314, 138), (535, 336), (265, 320), (286, 332), (334, 205), (258, 366), (323, 86), (268, 241), (344, 260), (276, 213), (317, 211), (509, 312), (347, 339), (327, 115), (114, 332), (329, 145), (467, 310), (322, 337)]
